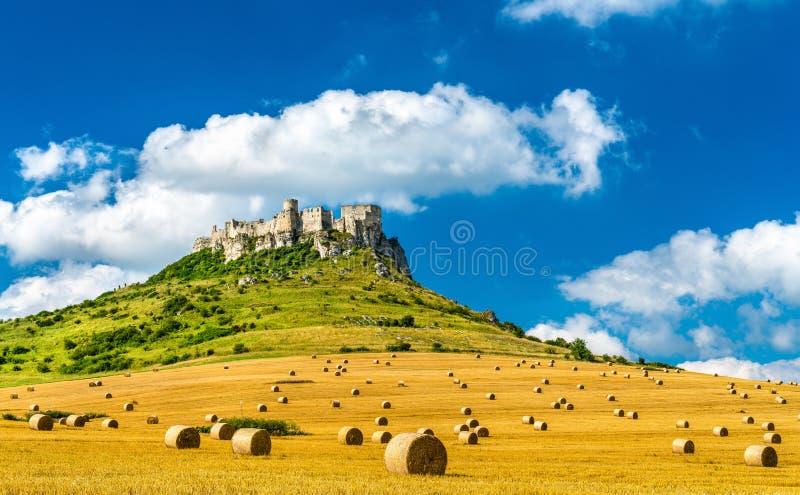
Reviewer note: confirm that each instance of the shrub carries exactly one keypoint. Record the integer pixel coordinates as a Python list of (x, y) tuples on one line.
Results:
[(402, 347), (240, 348), (275, 427)]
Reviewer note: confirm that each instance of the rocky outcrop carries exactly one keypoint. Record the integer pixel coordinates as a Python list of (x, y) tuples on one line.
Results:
[(359, 225)]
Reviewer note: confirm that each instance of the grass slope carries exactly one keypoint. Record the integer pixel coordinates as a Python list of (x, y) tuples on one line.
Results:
[(584, 451), (267, 304)]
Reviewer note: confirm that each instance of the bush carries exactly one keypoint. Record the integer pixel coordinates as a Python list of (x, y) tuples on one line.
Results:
[(240, 348), (579, 350), (43, 368), (345, 349), (275, 427), (402, 347)]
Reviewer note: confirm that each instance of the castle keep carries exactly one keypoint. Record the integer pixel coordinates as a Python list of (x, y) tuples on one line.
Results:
[(362, 223)]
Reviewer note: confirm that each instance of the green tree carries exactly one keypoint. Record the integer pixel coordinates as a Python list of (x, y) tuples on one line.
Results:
[(580, 351)]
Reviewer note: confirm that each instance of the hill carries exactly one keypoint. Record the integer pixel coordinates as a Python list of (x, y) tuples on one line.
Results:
[(267, 303)]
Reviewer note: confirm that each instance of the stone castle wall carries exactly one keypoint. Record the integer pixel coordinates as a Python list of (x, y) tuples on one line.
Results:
[(362, 222)]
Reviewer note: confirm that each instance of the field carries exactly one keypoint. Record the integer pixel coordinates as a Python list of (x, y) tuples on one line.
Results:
[(586, 450)]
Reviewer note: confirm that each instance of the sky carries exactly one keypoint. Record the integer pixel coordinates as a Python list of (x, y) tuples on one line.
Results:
[(619, 171)]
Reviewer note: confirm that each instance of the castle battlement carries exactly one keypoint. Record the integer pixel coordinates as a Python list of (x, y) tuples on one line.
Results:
[(291, 225)]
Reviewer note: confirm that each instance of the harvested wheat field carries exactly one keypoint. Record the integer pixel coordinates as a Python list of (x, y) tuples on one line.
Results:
[(584, 450)]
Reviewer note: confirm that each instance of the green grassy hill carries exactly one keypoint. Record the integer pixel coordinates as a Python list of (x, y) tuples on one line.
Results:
[(270, 303)]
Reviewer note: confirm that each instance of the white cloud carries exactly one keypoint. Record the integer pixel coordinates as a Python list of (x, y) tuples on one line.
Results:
[(787, 370), (582, 326), (70, 284), (38, 164), (711, 341), (389, 146), (395, 148), (696, 267), (441, 58), (591, 13)]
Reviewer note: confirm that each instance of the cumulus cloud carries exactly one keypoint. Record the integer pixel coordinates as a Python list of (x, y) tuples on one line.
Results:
[(711, 341), (70, 284), (595, 12), (787, 369), (696, 267), (389, 146), (40, 164), (395, 148), (582, 326)]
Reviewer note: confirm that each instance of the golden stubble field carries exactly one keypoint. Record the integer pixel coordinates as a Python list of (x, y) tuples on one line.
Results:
[(586, 450)]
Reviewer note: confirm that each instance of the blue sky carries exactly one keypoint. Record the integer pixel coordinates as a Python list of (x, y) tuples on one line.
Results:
[(642, 150)]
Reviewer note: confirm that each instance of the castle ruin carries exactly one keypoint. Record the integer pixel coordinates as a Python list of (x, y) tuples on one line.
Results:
[(361, 223)]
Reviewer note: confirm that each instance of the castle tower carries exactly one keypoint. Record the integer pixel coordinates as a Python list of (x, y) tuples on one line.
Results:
[(290, 205)]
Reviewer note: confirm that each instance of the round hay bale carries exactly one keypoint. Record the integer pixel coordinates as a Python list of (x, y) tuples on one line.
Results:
[(602, 373), (552, 361), (388, 363), (569, 406), (463, 385), (730, 386), (609, 363), (393, 355), (580, 386), (376, 361), (182, 437), (744, 395), (401, 383), (574, 368), (778, 382), (467, 438), (381, 437), (313, 356), (76, 420), (449, 373), (349, 435), (682, 446), (346, 361), (477, 356), (459, 428), (127, 375), (31, 388), (110, 423), (610, 398), (222, 431), (619, 412), (14, 396), (472, 422), (780, 400), (416, 453), (386, 405), (456, 380), (339, 366), (732, 391), (224, 366), (425, 431), (354, 392), (748, 420), (645, 373), (108, 395), (337, 373), (540, 426), (555, 405), (773, 391), (768, 426), (92, 384), (761, 456), (659, 382), (261, 408), (481, 431), (275, 388), (324, 369), (40, 422), (720, 431), (681, 423), (758, 386), (283, 400), (328, 361), (251, 441), (98, 383), (33, 407), (497, 368), (632, 415), (466, 411), (490, 396), (211, 418), (517, 364), (545, 381), (152, 420), (343, 370), (537, 363), (613, 372), (381, 421), (335, 403), (626, 375), (562, 400), (537, 390), (368, 381), (527, 420), (62, 421), (532, 366), (128, 406), (291, 373)]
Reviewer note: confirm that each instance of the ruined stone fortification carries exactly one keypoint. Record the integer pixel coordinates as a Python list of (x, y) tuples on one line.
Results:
[(361, 225)]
